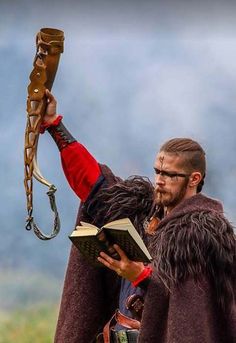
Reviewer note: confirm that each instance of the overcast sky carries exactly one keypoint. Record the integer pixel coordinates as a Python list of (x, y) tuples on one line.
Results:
[(133, 74)]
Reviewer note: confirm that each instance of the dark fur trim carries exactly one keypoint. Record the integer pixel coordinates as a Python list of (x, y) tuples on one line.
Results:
[(132, 198), (195, 244)]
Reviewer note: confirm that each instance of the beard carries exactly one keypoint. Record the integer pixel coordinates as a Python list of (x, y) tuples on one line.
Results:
[(169, 199)]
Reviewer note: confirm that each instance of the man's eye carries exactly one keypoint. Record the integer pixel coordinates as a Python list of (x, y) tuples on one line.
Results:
[(157, 171), (164, 173), (171, 175), (167, 174)]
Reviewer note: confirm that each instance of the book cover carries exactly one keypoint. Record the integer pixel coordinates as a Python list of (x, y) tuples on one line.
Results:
[(91, 240)]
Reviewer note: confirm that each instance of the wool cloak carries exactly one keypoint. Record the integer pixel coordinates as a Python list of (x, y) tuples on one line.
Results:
[(194, 256), (191, 296), (90, 294)]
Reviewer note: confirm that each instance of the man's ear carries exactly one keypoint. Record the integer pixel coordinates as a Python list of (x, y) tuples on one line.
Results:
[(194, 179)]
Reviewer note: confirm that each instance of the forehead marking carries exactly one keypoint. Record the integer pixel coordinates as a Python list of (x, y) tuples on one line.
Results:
[(161, 159)]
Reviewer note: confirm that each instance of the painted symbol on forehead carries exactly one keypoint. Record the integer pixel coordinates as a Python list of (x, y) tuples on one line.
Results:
[(161, 159)]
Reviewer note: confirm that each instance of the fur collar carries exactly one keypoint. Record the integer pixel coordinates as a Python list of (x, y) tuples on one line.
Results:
[(196, 203)]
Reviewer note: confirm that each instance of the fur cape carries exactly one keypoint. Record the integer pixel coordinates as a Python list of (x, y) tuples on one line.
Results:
[(189, 298)]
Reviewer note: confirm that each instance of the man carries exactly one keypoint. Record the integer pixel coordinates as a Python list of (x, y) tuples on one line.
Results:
[(190, 288)]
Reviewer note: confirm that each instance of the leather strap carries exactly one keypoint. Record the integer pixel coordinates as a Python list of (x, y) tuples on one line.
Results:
[(49, 46), (107, 329), (135, 304), (127, 322), (120, 319)]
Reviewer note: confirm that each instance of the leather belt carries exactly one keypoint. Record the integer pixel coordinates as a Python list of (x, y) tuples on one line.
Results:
[(121, 319)]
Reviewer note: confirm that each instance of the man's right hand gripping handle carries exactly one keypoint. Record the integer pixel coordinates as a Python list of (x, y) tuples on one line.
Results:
[(80, 167)]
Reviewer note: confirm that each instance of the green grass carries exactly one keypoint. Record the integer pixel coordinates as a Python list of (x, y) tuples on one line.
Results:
[(21, 289), (30, 325), (28, 306)]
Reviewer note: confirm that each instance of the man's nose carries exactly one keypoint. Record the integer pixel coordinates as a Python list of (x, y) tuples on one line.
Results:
[(159, 179)]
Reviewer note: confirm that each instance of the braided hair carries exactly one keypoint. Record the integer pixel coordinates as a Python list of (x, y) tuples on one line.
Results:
[(192, 153)]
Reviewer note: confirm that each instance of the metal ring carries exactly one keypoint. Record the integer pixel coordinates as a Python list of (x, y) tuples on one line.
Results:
[(119, 271)]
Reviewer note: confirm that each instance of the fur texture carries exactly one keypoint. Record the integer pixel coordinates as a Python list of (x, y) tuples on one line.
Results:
[(132, 198), (191, 296), (194, 257), (196, 244)]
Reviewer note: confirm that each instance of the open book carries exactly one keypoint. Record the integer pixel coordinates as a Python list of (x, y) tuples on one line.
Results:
[(91, 240)]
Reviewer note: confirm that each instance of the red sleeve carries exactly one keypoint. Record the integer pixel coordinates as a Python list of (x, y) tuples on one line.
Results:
[(81, 169)]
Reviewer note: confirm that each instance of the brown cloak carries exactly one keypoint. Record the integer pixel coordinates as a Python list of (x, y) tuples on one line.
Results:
[(192, 248), (194, 255)]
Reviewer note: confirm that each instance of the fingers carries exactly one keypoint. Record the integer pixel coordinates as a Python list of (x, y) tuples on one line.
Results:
[(51, 107), (108, 261), (125, 268), (120, 267), (50, 97), (123, 256)]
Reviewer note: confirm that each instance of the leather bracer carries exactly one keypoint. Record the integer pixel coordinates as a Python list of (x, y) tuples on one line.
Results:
[(61, 135)]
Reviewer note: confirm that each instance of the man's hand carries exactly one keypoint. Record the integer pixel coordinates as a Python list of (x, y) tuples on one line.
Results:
[(51, 108), (126, 268)]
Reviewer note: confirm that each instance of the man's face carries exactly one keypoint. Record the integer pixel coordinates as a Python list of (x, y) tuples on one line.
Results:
[(171, 180)]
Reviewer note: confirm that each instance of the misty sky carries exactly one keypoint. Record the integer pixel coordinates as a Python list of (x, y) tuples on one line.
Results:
[(133, 74)]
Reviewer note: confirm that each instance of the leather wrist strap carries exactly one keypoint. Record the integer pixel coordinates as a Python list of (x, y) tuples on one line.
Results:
[(61, 135)]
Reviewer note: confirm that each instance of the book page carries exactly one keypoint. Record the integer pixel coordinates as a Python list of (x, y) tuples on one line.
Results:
[(84, 224), (84, 231), (126, 225), (120, 222)]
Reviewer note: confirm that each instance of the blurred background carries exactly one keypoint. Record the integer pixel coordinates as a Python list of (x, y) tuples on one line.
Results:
[(133, 74)]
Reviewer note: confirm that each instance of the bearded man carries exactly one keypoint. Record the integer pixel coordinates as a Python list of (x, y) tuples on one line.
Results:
[(189, 289)]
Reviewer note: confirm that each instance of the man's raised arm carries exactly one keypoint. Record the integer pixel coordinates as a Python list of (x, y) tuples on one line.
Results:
[(80, 167)]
